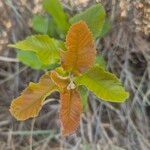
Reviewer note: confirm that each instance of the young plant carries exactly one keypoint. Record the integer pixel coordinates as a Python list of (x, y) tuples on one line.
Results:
[(55, 23), (72, 68), (77, 68)]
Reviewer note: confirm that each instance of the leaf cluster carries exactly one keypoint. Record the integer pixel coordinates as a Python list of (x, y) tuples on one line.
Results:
[(72, 67), (55, 24)]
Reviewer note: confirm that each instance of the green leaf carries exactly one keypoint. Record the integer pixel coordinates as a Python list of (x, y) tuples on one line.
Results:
[(103, 84), (53, 29), (94, 17), (106, 27), (61, 71), (30, 59), (54, 8), (84, 95), (46, 48), (40, 24), (46, 25), (100, 61)]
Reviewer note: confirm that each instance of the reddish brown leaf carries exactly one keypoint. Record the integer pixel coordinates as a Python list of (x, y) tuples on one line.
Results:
[(70, 111), (70, 104), (30, 102), (81, 52), (60, 81)]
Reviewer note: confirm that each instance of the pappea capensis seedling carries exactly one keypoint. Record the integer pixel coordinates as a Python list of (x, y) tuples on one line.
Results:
[(71, 69)]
